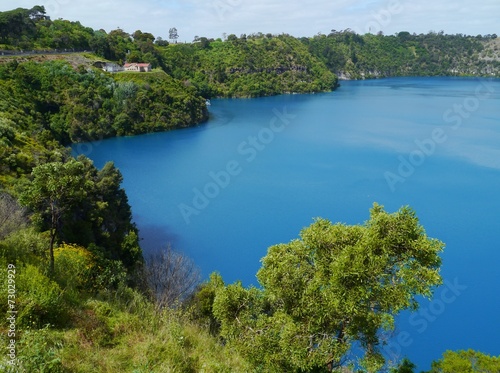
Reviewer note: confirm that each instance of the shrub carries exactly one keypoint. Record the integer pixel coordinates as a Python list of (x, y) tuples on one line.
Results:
[(73, 268), (39, 299), (26, 243)]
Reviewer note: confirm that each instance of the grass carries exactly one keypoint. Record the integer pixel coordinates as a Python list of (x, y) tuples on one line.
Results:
[(165, 342), (108, 336)]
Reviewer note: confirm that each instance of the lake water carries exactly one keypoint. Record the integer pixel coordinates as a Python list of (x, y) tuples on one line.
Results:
[(262, 169)]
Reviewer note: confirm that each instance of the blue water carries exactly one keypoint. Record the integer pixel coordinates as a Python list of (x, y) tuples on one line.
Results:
[(262, 169)]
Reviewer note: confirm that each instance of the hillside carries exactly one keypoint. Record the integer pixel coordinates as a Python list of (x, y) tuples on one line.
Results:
[(47, 105), (354, 56), (262, 64), (250, 66)]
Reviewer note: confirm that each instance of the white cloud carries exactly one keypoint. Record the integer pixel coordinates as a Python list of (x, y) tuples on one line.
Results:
[(213, 17)]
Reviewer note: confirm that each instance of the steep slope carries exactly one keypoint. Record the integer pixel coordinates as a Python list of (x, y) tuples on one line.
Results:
[(249, 66)]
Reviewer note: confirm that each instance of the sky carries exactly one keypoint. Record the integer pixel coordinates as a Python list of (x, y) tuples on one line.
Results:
[(214, 18)]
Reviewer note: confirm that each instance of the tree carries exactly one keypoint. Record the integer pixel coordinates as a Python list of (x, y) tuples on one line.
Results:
[(335, 286), (200, 303), (173, 35), (104, 217), (469, 361), (143, 36), (56, 188), (37, 13), (406, 366), (204, 43), (18, 23), (160, 42), (171, 277)]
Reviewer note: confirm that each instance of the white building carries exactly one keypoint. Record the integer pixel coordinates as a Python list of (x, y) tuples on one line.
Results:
[(111, 67)]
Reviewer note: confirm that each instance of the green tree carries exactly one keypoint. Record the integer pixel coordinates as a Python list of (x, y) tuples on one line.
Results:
[(469, 361), (19, 24), (406, 366), (335, 286), (200, 303), (103, 218), (55, 189)]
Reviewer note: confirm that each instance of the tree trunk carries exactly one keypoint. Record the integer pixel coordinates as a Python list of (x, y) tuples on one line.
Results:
[(53, 233), (51, 252)]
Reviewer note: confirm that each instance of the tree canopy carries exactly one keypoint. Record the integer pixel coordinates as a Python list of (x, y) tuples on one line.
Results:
[(56, 188), (17, 26), (469, 361), (336, 286), (77, 203), (356, 56)]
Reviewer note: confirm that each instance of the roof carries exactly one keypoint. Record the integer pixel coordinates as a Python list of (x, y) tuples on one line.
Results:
[(141, 64)]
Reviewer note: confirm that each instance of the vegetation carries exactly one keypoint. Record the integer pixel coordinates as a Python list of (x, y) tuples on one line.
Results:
[(354, 56), (241, 67), (336, 286), (44, 106), (262, 64), (85, 315), (116, 331), (81, 105), (85, 298), (466, 362), (251, 66)]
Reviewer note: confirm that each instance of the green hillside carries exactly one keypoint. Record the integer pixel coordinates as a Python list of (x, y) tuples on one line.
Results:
[(251, 66), (354, 56), (46, 105)]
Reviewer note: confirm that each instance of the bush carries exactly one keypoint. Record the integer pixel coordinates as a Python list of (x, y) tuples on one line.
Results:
[(73, 269), (200, 304), (39, 299), (27, 244)]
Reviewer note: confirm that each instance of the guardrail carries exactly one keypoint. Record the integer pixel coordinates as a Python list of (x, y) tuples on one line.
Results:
[(41, 51)]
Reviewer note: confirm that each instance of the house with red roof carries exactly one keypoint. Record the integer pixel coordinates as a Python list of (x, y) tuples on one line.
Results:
[(138, 66)]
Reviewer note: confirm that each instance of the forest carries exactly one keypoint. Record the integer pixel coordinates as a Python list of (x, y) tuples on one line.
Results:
[(434, 54), (80, 296)]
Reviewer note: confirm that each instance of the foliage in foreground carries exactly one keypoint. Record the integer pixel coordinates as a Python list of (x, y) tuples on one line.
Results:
[(122, 332), (469, 361), (335, 286)]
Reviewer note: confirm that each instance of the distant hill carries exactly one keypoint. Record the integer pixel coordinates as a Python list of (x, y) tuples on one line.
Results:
[(256, 65), (354, 56), (239, 67)]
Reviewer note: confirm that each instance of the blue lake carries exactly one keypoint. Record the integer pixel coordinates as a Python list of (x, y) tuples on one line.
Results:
[(262, 169)]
